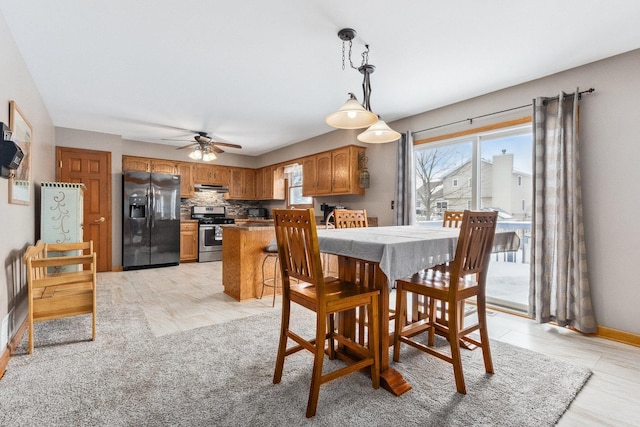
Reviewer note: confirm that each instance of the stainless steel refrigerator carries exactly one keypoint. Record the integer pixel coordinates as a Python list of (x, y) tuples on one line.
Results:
[(151, 219)]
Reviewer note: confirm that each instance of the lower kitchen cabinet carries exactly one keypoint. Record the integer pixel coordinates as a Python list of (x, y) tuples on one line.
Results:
[(188, 241)]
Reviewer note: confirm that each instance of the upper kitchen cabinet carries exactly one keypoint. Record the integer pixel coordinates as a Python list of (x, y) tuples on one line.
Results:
[(185, 170), (270, 183), (140, 164), (164, 166), (309, 176), (144, 164), (242, 184), (332, 173), (211, 174)]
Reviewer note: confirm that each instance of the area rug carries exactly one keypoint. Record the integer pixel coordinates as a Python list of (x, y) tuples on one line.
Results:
[(221, 375)]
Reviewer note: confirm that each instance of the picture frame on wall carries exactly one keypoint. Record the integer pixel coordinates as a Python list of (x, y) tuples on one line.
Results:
[(22, 134)]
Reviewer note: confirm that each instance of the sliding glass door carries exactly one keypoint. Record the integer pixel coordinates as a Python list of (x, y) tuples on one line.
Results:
[(484, 171)]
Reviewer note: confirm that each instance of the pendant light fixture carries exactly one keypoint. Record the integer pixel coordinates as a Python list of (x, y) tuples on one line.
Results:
[(352, 115)]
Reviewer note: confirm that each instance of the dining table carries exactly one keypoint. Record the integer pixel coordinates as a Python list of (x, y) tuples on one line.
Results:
[(380, 255)]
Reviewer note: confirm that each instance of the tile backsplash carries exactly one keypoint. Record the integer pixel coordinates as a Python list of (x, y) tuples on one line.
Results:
[(212, 198)]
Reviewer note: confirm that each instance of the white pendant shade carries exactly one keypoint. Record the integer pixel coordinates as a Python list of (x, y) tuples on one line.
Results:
[(351, 115), (379, 133)]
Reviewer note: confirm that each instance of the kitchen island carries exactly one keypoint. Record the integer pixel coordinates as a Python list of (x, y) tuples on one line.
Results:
[(242, 256)]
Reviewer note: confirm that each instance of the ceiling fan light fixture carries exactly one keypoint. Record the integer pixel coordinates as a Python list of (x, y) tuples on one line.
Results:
[(209, 156), (351, 115), (196, 154), (379, 133)]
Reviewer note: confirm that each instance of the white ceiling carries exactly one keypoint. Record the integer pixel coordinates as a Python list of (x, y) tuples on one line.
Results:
[(264, 74)]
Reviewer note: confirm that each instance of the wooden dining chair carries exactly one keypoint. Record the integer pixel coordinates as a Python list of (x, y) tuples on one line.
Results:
[(450, 219), (299, 254), (466, 279), (355, 218), (350, 218)]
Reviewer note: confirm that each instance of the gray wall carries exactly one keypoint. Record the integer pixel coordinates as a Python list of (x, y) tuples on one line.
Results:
[(17, 229), (610, 151)]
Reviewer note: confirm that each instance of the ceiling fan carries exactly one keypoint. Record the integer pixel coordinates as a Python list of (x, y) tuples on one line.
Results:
[(205, 143)]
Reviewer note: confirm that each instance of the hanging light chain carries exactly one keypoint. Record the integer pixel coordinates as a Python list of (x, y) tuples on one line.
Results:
[(343, 56)]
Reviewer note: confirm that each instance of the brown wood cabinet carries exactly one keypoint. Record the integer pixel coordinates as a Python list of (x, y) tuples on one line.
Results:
[(144, 164), (188, 241), (185, 170), (309, 176), (334, 172), (140, 164), (324, 173), (270, 183), (164, 166), (211, 174), (242, 184)]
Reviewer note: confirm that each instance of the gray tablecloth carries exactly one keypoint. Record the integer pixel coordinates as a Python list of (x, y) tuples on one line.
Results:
[(403, 250)]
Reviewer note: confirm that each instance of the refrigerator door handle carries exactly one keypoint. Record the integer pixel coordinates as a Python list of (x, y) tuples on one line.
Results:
[(153, 207), (148, 207)]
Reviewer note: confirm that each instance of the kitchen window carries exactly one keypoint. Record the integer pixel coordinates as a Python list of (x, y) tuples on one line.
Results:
[(294, 177)]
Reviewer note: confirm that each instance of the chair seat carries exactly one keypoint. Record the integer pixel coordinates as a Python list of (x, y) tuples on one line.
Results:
[(437, 285), (339, 295)]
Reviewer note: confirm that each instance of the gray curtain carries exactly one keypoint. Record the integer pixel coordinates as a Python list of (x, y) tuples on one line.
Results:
[(559, 288), (405, 188)]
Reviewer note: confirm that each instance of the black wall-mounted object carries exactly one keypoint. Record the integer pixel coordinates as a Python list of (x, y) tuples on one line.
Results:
[(10, 153)]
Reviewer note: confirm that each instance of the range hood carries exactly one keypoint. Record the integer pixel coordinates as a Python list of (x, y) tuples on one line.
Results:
[(212, 187)]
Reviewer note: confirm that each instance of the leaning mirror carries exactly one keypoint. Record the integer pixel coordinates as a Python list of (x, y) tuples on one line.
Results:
[(22, 134)]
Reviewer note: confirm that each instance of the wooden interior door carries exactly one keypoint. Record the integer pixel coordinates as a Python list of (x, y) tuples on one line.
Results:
[(93, 169)]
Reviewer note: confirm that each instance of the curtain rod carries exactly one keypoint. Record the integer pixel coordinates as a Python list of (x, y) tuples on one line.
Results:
[(471, 119)]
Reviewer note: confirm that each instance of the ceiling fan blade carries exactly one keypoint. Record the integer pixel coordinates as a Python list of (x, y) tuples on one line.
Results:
[(187, 146), (216, 149), (226, 144)]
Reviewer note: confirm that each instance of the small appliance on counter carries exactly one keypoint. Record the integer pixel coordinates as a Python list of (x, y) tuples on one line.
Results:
[(257, 213), (210, 219)]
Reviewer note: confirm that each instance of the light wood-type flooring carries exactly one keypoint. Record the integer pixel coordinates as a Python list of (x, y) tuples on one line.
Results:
[(191, 295)]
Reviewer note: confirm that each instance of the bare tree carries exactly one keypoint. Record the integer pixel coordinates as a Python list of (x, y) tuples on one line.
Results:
[(431, 166)]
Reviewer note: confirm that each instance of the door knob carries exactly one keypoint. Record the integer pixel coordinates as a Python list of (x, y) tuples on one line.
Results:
[(101, 219)]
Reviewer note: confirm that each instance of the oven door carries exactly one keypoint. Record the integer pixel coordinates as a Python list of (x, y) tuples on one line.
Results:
[(210, 243)]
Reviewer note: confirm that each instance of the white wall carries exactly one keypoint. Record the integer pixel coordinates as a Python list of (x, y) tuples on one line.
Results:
[(18, 222)]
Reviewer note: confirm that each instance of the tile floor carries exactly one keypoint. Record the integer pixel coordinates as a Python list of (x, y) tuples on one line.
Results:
[(191, 295)]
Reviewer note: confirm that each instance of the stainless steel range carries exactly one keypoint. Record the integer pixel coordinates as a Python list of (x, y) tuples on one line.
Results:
[(210, 219)]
